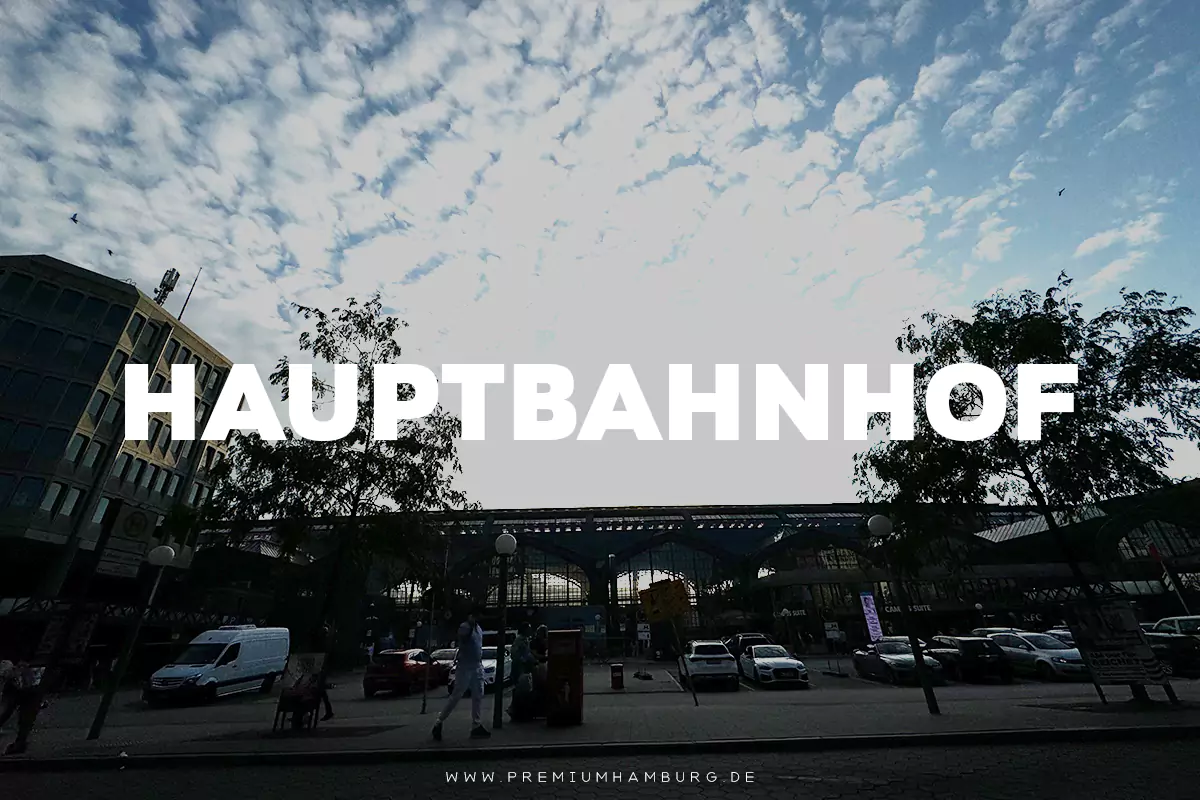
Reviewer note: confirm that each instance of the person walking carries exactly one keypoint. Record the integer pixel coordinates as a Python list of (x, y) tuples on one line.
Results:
[(523, 664), (23, 696), (325, 645), (468, 677)]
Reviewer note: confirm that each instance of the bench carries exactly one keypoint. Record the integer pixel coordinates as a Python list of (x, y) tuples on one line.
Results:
[(300, 697)]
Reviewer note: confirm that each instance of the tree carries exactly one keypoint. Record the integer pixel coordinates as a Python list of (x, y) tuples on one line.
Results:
[(1138, 391), (357, 499)]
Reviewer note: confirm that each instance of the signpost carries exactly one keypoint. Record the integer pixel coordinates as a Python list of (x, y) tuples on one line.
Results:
[(1115, 648), (666, 601)]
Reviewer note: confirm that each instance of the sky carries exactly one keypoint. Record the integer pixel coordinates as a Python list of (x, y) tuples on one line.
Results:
[(586, 183)]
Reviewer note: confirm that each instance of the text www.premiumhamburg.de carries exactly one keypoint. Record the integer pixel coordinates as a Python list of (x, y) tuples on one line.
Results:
[(614, 777)]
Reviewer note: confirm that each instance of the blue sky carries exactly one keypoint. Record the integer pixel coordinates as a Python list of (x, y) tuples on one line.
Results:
[(588, 183)]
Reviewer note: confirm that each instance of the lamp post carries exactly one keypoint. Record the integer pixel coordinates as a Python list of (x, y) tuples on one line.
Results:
[(880, 528), (160, 557), (506, 545)]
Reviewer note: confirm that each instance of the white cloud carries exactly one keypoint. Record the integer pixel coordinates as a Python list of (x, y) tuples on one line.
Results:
[(1111, 273), (1086, 63), (1108, 27), (994, 237), (1043, 20), (1142, 114), (937, 79), (1072, 101), (890, 144), (1141, 231), (1007, 117), (859, 109)]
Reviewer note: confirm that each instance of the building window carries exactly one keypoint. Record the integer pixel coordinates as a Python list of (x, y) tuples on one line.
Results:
[(120, 466), (173, 489), (18, 337), (96, 359), (7, 483), (73, 349), (208, 458), (160, 480), (156, 384), (214, 377), (24, 439), (41, 299), (51, 497), (169, 351), (184, 354), (15, 287), (96, 407), (46, 343), (29, 491), (148, 474), (67, 509), (78, 443), (68, 303), (201, 411), (7, 426), (114, 321), (93, 454), (110, 413), (196, 491), (135, 326), (152, 433), (101, 507), (91, 314), (49, 394), (202, 378), (73, 401), (117, 365), (135, 474), (52, 444)]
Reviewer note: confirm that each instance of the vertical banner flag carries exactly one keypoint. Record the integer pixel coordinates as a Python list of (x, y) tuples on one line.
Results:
[(871, 615)]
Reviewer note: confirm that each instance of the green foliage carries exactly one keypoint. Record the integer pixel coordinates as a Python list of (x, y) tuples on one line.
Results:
[(1138, 391), (372, 493)]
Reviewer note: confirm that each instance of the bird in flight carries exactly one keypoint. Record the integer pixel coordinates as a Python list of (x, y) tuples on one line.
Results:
[(75, 218), (1060, 191), (110, 252)]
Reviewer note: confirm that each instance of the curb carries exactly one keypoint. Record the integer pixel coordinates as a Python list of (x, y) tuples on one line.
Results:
[(808, 744)]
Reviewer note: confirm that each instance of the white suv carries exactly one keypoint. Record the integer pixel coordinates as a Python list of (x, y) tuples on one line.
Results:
[(708, 662)]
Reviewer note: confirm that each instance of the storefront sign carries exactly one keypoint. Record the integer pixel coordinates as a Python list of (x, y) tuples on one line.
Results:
[(896, 609), (871, 615)]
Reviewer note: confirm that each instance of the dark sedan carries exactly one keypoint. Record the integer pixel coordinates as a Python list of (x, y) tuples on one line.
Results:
[(970, 658), (1179, 654), (893, 662)]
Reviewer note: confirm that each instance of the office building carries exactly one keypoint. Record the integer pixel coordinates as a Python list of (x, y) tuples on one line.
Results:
[(66, 335)]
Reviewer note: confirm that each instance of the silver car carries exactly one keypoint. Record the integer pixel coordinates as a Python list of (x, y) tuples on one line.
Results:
[(771, 664), (1044, 656)]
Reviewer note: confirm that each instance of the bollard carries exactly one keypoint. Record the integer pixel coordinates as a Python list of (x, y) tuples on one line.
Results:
[(618, 676)]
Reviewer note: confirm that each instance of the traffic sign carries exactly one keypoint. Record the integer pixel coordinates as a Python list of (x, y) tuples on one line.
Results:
[(665, 600)]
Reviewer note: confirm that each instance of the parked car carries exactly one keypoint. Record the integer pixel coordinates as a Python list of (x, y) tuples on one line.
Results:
[(445, 657), (401, 671), (970, 658), (774, 665), (229, 660), (738, 644), (1044, 656), (1064, 635), (708, 663), (990, 631), (489, 670), (1179, 654), (1187, 626), (892, 661), (904, 640)]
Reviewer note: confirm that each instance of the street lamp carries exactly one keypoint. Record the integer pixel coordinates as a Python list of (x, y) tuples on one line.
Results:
[(880, 528), (160, 557), (506, 545)]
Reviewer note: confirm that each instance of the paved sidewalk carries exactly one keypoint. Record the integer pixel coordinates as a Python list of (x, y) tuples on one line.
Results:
[(833, 709)]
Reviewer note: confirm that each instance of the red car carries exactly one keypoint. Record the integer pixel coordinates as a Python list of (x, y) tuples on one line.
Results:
[(401, 671)]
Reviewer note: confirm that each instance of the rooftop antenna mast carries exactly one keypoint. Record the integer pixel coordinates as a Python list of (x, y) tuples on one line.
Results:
[(169, 279), (189, 296)]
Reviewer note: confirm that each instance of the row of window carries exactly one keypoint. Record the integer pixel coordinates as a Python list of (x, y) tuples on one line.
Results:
[(59, 499), (74, 310), (50, 397), (207, 376)]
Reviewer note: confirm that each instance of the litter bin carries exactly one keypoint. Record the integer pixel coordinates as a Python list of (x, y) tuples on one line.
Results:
[(618, 676)]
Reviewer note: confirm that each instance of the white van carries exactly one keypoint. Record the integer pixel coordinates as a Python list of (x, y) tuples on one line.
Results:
[(230, 660)]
